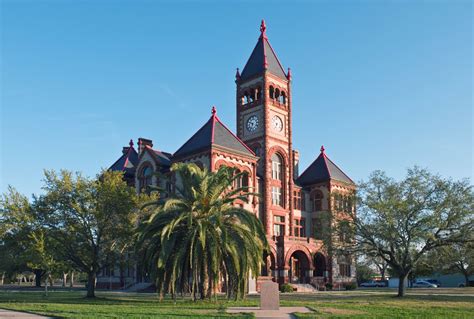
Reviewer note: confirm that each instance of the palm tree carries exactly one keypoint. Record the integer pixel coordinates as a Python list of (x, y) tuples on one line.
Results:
[(199, 238)]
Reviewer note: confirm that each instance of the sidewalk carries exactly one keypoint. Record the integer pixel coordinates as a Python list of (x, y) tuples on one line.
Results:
[(283, 312), (19, 315)]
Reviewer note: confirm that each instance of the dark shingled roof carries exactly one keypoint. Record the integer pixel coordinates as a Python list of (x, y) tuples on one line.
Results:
[(163, 158), (214, 132), (256, 63), (321, 170), (127, 162)]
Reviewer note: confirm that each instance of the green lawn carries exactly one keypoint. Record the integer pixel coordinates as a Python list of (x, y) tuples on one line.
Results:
[(447, 303)]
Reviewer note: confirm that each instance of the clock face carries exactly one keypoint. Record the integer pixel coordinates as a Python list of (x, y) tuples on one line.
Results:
[(252, 123), (277, 123)]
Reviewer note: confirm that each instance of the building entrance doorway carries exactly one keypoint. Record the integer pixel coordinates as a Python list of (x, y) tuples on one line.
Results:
[(299, 266)]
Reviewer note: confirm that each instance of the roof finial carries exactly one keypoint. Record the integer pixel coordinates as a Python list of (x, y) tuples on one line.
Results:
[(131, 143), (263, 27), (213, 111), (288, 75), (322, 149), (237, 74)]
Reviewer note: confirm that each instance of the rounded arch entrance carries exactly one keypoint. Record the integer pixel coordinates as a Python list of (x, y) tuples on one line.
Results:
[(299, 266), (269, 264), (320, 267)]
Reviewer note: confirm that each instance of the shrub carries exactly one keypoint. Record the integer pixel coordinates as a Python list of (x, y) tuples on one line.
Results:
[(329, 286), (286, 288), (350, 286)]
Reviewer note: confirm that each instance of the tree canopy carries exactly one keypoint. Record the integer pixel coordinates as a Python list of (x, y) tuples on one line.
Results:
[(199, 236), (88, 219), (401, 221)]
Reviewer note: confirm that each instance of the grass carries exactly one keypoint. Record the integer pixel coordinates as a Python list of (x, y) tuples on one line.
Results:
[(445, 303)]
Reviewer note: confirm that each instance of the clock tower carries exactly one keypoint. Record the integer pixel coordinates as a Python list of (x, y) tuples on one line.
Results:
[(264, 124)]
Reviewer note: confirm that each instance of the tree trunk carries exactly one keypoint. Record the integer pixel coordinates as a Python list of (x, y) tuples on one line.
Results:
[(466, 279), (37, 277), (64, 278), (382, 273), (401, 285), (71, 281), (91, 285), (3, 278), (46, 286)]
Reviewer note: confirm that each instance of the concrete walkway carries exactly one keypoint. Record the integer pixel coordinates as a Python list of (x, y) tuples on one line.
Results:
[(283, 312), (18, 315)]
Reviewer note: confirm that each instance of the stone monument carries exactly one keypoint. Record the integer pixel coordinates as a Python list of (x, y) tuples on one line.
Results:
[(269, 296)]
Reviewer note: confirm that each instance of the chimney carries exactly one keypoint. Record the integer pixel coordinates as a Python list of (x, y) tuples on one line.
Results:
[(143, 143), (296, 164)]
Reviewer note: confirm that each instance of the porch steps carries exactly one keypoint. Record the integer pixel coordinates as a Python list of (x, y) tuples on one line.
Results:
[(304, 288)]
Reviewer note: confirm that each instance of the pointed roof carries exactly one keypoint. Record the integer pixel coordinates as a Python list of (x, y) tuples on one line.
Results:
[(263, 58), (127, 162), (213, 133), (161, 158), (322, 169)]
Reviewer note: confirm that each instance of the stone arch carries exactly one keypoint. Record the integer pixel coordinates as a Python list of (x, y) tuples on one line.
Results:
[(281, 151), (269, 265), (294, 248), (258, 94), (145, 180), (241, 168), (299, 263), (282, 99), (320, 264), (246, 178), (271, 91)]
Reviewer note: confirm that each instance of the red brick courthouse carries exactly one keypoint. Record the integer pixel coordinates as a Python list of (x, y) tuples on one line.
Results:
[(291, 205)]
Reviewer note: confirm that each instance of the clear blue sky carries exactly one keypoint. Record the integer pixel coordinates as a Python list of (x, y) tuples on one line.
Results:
[(382, 84)]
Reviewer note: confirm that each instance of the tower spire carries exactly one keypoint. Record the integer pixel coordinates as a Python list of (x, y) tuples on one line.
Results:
[(322, 149), (262, 58), (263, 28)]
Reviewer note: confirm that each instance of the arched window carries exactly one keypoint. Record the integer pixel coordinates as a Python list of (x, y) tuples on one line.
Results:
[(317, 201), (277, 167), (272, 92), (252, 95), (282, 98), (238, 180), (259, 93), (146, 177), (245, 179), (246, 98), (277, 94)]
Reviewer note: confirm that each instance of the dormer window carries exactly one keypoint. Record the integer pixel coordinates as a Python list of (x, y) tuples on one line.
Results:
[(146, 177)]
